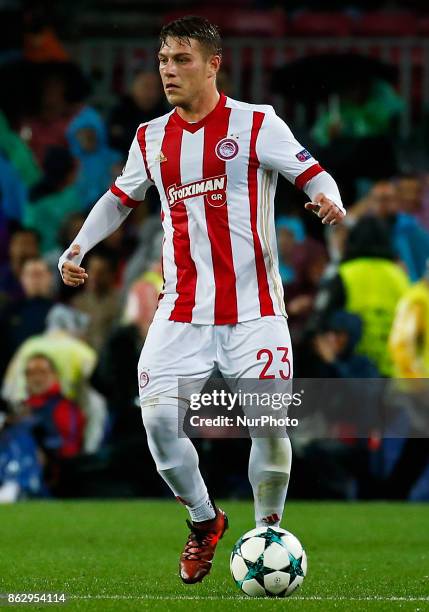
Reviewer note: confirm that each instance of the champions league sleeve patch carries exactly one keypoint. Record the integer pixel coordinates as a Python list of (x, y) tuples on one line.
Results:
[(303, 155)]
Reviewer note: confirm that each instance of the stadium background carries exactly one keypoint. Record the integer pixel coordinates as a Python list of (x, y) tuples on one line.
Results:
[(352, 81)]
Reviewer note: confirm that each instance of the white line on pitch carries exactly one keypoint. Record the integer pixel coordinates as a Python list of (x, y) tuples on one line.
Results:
[(231, 597)]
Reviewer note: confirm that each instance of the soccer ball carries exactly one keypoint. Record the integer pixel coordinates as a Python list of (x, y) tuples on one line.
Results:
[(268, 562)]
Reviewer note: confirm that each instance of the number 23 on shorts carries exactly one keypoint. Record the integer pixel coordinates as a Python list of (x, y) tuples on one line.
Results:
[(269, 371)]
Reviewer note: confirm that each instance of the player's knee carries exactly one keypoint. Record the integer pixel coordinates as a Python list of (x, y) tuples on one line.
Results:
[(158, 416), (163, 422)]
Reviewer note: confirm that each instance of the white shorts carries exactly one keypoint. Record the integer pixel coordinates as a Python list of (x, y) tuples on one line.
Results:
[(259, 349)]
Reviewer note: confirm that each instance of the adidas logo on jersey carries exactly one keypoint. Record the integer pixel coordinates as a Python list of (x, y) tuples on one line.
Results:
[(214, 190), (161, 157)]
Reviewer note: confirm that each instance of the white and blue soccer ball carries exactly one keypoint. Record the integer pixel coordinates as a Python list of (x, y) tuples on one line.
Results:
[(268, 562)]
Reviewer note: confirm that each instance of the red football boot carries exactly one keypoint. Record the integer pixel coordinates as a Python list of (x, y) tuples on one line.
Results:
[(196, 558)]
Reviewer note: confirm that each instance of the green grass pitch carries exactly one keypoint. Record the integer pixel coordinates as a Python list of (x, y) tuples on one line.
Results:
[(123, 555)]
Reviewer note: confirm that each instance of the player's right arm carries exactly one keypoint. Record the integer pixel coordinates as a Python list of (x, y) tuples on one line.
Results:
[(107, 215)]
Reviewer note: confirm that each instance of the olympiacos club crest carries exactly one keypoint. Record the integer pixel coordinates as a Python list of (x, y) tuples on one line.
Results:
[(143, 379), (226, 149)]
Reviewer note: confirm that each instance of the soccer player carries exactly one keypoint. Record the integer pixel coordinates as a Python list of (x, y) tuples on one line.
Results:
[(215, 163)]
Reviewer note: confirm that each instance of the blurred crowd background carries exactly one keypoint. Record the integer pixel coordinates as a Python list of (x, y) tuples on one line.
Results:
[(352, 81)]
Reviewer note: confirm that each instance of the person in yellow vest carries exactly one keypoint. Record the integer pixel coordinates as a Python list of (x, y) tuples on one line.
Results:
[(409, 340), (74, 361), (369, 284), (409, 348)]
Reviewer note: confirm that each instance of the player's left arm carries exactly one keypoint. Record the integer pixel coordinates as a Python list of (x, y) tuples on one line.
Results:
[(277, 149)]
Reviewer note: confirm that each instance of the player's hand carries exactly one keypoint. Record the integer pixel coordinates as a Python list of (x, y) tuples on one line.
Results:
[(73, 274), (325, 209)]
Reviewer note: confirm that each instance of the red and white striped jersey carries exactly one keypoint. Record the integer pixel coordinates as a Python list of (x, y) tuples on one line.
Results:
[(216, 179)]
